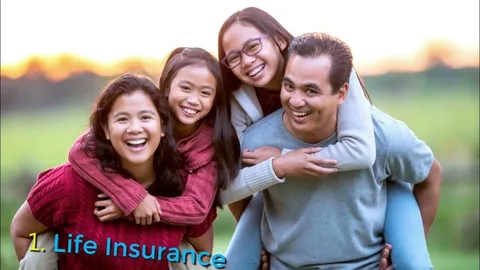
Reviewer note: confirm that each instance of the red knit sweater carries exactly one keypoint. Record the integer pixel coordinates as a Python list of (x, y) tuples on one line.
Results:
[(64, 202), (199, 173)]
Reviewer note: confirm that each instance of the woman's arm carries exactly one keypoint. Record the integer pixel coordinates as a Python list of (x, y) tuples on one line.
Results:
[(427, 194), (48, 205), (203, 243), (356, 147), (21, 228), (201, 236)]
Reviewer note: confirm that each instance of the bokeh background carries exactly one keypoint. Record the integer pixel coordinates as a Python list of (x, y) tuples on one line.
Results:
[(419, 60)]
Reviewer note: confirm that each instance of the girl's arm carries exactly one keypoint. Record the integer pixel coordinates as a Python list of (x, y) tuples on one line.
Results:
[(355, 148), (196, 201), (191, 208), (126, 193), (249, 181)]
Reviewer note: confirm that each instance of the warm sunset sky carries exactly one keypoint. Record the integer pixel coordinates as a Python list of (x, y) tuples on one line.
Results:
[(383, 34)]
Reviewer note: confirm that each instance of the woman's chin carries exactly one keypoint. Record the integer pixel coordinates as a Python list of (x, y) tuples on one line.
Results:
[(136, 160)]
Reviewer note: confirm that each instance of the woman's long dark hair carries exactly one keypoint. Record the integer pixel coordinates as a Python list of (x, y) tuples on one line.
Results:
[(167, 179), (225, 140), (266, 24)]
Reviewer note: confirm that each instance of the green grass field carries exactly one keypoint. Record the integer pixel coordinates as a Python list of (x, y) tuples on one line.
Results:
[(449, 125)]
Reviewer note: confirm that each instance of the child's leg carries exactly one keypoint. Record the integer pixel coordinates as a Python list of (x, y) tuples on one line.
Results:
[(244, 250), (404, 228), (185, 245), (41, 260)]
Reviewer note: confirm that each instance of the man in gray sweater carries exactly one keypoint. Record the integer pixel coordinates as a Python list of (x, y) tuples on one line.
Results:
[(335, 222)]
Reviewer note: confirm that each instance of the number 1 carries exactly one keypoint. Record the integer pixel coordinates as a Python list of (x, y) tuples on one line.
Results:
[(33, 247)]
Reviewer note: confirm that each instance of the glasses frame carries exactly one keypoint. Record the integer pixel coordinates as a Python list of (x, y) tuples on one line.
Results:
[(243, 51)]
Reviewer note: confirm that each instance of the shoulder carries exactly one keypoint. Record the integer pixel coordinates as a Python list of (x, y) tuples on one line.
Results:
[(55, 188), (61, 177), (267, 125), (384, 126), (246, 98), (392, 135)]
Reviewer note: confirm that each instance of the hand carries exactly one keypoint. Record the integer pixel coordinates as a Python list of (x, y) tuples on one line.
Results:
[(385, 260), (301, 162), (147, 211), (105, 209), (260, 154), (265, 261)]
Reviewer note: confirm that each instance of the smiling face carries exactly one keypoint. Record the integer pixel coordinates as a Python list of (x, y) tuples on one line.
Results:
[(191, 95), (134, 129), (262, 65), (307, 97)]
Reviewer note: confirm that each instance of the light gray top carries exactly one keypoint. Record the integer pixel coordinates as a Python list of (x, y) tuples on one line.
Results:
[(335, 222)]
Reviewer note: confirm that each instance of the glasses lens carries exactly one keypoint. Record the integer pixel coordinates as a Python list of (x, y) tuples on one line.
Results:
[(233, 59), (253, 47)]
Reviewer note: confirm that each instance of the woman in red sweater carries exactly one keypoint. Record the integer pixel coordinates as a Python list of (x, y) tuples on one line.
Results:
[(192, 82), (130, 136)]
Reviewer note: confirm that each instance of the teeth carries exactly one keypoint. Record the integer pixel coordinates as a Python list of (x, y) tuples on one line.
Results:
[(189, 111), (135, 142), (256, 70), (300, 114)]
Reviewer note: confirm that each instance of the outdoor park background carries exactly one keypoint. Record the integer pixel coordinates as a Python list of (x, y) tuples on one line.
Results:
[(430, 81)]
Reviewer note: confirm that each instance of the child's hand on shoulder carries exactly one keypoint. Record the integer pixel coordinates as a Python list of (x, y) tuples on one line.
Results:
[(260, 154)]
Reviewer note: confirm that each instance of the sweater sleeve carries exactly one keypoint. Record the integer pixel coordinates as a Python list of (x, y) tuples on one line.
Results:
[(50, 197), (124, 192), (355, 148), (193, 206), (249, 181)]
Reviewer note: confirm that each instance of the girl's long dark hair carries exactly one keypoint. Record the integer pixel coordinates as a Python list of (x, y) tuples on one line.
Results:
[(168, 182), (225, 140)]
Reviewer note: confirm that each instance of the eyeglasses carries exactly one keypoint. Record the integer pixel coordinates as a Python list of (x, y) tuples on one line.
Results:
[(251, 48)]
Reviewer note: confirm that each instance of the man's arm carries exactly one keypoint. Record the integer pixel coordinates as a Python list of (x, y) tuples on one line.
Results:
[(411, 160), (427, 194)]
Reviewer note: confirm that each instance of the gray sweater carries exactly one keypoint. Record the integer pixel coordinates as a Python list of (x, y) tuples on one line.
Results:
[(335, 222), (354, 150)]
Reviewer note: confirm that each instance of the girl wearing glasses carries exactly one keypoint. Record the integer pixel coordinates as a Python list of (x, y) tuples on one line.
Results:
[(252, 45)]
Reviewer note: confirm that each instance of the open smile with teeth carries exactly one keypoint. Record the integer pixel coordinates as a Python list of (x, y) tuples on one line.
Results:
[(136, 143), (300, 114), (189, 111), (256, 70)]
